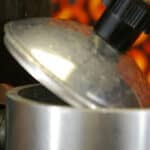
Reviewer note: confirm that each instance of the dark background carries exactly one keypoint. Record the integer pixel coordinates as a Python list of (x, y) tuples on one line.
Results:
[(10, 71)]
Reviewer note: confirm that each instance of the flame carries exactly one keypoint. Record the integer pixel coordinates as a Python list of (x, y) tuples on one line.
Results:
[(88, 11), (84, 11), (74, 10), (140, 58), (96, 9), (146, 47), (141, 39)]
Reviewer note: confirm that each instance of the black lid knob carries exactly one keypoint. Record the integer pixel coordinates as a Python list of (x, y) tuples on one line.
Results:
[(123, 21)]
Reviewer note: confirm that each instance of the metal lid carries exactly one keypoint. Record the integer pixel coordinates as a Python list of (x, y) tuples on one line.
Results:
[(63, 56)]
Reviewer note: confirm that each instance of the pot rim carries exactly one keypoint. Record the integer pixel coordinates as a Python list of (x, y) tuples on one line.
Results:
[(13, 95)]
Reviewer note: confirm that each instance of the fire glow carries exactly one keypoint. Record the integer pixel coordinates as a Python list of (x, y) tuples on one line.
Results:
[(87, 12)]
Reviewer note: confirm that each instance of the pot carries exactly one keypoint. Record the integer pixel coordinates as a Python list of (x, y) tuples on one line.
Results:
[(37, 120)]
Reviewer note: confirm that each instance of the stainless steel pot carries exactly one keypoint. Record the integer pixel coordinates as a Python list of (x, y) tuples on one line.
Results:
[(70, 60), (38, 120)]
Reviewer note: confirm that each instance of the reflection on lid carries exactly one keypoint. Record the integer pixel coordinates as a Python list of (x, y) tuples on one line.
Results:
[(57, 65)]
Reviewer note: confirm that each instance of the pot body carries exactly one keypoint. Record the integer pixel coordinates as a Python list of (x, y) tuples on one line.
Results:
[(38, 120)]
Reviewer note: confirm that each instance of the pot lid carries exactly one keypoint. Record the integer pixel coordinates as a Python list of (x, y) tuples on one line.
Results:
[(62, 55)]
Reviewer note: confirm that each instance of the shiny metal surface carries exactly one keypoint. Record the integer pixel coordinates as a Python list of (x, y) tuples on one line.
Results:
[(70, 60), (37, 122)]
